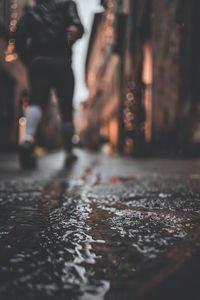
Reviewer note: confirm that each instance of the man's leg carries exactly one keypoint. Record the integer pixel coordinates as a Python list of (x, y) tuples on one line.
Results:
[(40, 88), (33, 116), (65, 89)]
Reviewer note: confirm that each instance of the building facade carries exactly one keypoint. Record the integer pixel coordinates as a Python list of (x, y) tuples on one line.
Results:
[(13, 75), (142, 73)]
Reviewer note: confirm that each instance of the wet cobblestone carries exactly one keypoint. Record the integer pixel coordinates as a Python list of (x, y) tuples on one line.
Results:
[(108, 228)]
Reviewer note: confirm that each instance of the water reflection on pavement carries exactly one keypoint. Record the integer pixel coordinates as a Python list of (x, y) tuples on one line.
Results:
[(107, 228)]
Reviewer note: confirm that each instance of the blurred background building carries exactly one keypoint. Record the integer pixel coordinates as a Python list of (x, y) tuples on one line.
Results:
[(142, 72), (13, 77)]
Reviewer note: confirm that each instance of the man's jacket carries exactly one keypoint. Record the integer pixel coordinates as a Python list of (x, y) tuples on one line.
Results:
[(41, 31)]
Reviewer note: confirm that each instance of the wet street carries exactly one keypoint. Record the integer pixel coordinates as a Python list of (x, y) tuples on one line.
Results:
[(106, 228)]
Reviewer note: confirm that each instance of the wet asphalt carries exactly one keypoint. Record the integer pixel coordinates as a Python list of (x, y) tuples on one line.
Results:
[(104, 228)]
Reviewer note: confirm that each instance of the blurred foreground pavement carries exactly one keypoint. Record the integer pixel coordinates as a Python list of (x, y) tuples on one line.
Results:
[(108, 228)]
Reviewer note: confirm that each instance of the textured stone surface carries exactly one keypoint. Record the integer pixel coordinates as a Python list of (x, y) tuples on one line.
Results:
[(108, 228)]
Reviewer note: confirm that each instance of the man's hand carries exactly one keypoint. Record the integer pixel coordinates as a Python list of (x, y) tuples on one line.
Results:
[(72, 33)]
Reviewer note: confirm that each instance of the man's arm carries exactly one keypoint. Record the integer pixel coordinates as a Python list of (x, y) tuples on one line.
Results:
[(75, 28)]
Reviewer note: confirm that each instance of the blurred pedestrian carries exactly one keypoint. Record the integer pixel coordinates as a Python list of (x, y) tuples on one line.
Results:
[(44, 37)]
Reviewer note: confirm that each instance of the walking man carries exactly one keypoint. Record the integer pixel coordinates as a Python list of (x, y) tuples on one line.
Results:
[(44, 37)]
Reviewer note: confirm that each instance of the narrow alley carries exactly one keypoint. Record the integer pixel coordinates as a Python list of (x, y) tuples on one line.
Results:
[(110, 90)]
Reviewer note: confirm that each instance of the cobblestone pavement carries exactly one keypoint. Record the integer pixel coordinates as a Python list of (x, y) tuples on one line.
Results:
[(106, 228)]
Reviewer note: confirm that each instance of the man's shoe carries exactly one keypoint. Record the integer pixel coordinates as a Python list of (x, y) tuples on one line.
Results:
[(70, 159), (27, 159)]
